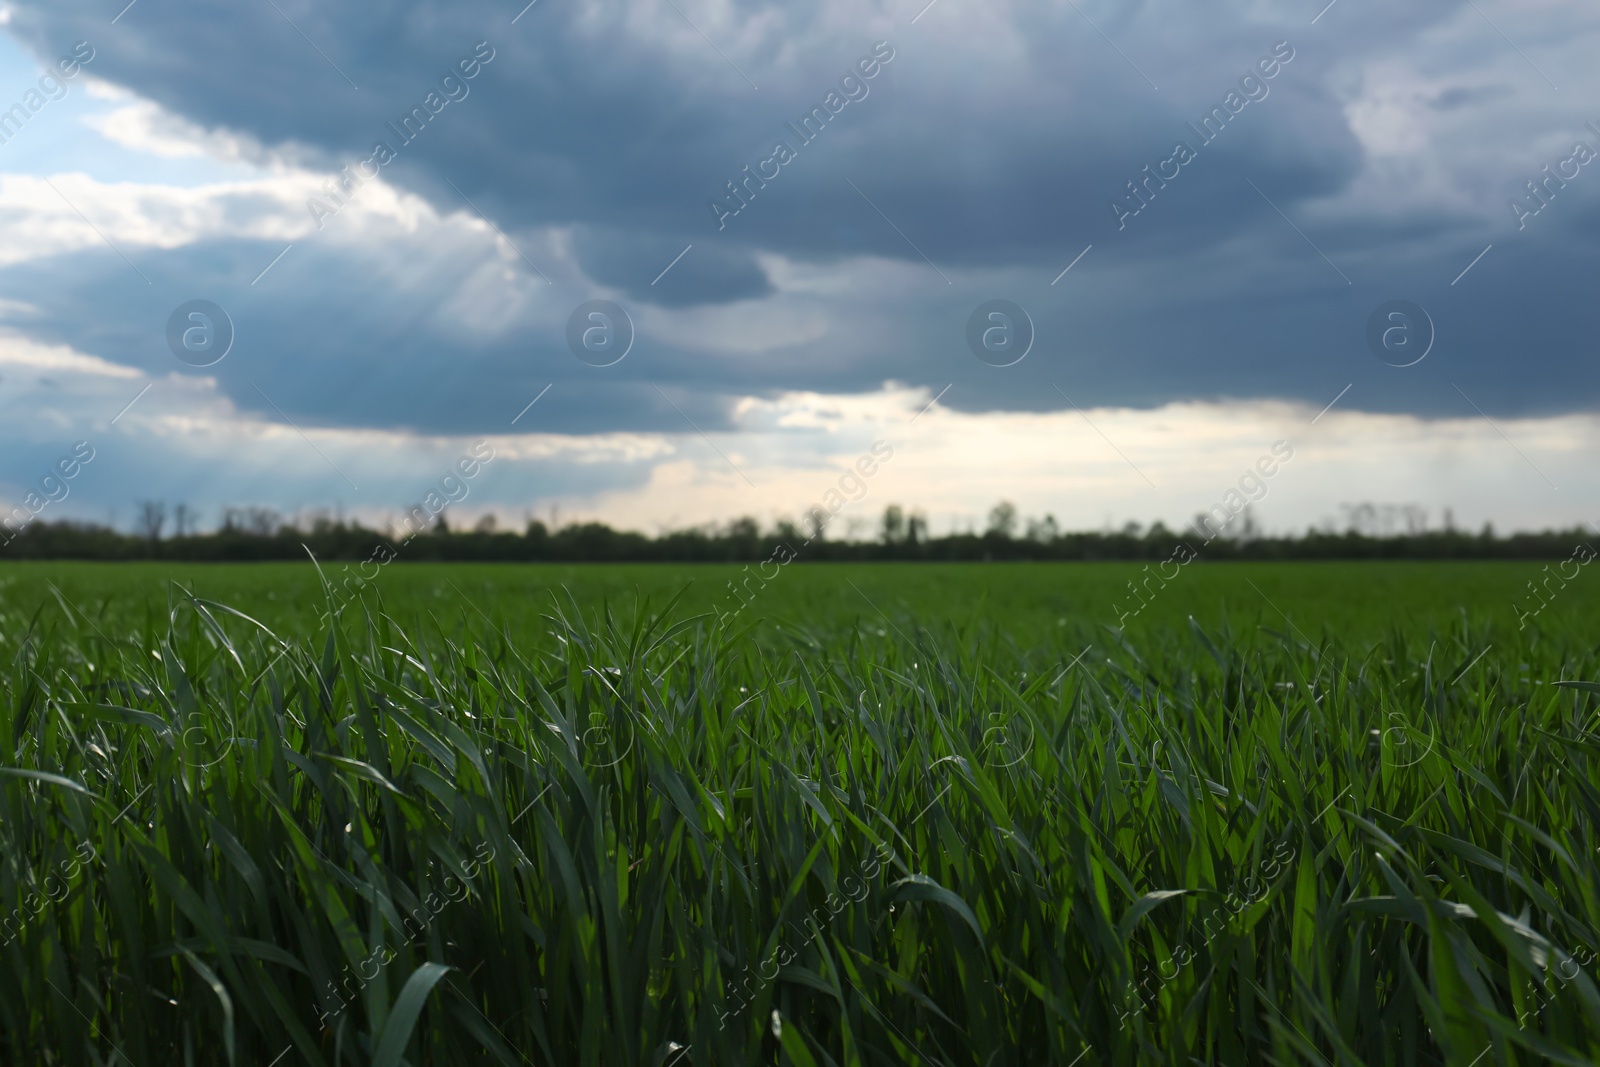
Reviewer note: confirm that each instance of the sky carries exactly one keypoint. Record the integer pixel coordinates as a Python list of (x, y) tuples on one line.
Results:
[(680, 261)]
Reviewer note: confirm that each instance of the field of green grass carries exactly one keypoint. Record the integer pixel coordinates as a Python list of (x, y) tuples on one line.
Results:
[(1027, 601), (885, 814)]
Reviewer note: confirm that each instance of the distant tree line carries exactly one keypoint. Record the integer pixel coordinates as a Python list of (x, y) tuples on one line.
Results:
[(260, 534)]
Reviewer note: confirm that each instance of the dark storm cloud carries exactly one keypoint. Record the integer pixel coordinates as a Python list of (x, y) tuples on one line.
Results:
[(621, 118), (627, 261), (357, 350), (995, 153)]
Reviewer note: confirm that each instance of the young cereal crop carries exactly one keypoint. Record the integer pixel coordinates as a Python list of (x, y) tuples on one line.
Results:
[(633, 837)]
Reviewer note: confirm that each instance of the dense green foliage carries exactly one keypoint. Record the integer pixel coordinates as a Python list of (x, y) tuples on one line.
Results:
[(886, 815)]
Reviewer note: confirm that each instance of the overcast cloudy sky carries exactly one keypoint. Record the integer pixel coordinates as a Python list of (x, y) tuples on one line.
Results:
[(387, 315)]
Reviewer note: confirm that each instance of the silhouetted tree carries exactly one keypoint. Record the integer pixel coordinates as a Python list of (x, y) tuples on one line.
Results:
[(1003, 519), (894, 524), (916, 528), (150, 518), (1043, 530), (817, 523)]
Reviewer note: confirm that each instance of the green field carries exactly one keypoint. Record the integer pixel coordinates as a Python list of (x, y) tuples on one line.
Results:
[(887, 814), (1027, 601)]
